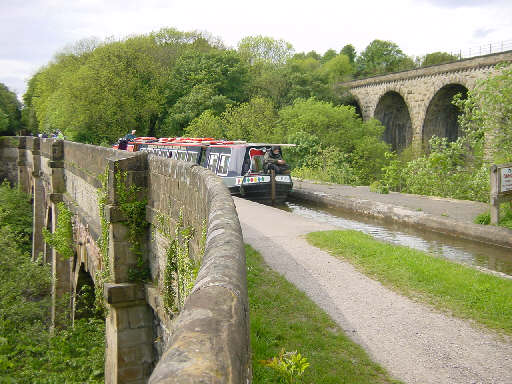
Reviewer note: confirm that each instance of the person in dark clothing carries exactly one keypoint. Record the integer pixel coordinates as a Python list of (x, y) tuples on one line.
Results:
[(131, 136), (274, 160)]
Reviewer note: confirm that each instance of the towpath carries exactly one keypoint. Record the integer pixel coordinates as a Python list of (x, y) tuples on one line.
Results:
[(413, 342)]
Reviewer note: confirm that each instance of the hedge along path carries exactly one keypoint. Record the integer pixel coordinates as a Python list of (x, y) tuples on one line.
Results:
[(415, 343)]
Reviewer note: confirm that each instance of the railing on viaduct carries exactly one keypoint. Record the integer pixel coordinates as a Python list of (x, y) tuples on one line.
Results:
[(153, 334)]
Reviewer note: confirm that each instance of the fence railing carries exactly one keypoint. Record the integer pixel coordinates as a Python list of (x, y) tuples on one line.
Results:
[(484, 49)]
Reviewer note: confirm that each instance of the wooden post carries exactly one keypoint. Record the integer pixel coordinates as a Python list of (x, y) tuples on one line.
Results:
[(501, 189), (494, 200), (273, 183)]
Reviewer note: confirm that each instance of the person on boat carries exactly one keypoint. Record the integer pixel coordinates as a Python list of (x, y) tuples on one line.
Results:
[(274, 160), (131, 136)]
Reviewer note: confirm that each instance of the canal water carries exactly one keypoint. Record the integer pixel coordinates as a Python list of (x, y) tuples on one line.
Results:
[(483, 256)]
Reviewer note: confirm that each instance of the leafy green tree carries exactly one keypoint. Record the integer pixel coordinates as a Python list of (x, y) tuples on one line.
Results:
[(200, 98), (382, 57), (435, 58), (208, 124), (350, 52), (328, 55), (334, 141), (488, 111), (252, 121), (10, 112), (338, 69), (266, 49)]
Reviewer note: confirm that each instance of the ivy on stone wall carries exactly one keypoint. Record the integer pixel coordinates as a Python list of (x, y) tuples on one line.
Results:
[(181, 269), (134, 211), (104, 274), (62, 238)]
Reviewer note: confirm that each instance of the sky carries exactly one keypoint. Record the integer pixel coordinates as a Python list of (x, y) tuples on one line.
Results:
[(33, 31)]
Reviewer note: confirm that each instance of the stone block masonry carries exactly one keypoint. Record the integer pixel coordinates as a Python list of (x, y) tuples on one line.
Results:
[(205, 337)]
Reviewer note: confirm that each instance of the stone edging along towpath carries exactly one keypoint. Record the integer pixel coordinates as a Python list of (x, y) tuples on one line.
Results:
[(419, 211)]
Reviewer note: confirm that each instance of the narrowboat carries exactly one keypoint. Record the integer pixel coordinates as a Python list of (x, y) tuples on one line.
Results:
[(238, 163)]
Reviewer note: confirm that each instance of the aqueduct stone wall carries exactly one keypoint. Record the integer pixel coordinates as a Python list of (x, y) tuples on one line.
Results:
[(415, 104), (208, 339)]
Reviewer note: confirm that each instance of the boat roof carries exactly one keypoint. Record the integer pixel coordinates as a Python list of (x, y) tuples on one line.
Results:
[(201, 141)]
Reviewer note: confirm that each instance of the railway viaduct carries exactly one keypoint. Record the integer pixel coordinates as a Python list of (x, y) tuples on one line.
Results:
[(414, 105), (164, 328)]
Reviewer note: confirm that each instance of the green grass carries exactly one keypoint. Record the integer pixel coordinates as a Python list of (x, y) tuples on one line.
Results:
[(284, 317), (457, 289), (505, 217)]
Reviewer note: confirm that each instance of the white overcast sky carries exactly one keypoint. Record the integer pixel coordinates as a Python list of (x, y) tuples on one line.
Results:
[(32, 31)]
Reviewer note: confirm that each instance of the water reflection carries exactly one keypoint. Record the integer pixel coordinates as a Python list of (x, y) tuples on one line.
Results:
[(463, 251)]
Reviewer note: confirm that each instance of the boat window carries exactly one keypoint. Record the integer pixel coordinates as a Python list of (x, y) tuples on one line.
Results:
[(257, 163), (223, 165), (212, 162), (182, 155), (192, 157)]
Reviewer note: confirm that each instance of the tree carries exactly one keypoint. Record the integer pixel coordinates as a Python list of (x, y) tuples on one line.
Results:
[(350, 52), (10, 114), (261, 48), (200, 98), (333, 136), (382, 57), (437, 58), (253, 121), (328, 55), (338, 69), (487, 112)]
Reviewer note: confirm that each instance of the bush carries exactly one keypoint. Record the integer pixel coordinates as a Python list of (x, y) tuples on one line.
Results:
[(449, 170), (28, 352)]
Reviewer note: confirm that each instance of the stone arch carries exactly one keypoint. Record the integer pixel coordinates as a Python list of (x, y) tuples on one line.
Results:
[(83, 292), (393, 112), (441, 116), (47, 254), (354, 101)]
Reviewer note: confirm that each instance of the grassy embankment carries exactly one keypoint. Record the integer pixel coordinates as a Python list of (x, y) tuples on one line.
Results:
[(284, 317), (451, 287), (28, 352)]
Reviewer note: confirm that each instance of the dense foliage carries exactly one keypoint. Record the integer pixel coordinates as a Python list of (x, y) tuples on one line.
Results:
[(460, 169), (159, 83), (10, 112), (173, 83), (28, 352)]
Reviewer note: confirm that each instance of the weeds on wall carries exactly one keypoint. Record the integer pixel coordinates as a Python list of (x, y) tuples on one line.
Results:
[(181, 269), (62, 238), (134, 210), (104, 274)]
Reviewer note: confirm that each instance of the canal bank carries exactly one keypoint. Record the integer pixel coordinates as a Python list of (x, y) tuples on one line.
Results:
[(449, 216), (415, 342)]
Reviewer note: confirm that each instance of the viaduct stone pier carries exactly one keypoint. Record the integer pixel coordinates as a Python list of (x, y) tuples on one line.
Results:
[(188, 322), (417, 104)]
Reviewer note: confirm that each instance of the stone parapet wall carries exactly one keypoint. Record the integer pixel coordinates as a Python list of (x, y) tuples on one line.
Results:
[(208, 340), (8, 159)]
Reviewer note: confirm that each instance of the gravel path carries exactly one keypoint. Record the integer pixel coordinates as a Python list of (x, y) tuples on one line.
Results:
[(414, 343)]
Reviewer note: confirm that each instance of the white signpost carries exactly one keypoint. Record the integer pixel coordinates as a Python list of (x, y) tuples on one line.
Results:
[(501, 189)]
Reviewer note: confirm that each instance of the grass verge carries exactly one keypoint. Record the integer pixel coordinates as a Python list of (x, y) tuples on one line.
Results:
[(505, 217), (463, 291), (284, 317)]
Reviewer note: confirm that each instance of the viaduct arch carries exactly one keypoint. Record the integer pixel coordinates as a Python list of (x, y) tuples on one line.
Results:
[(414, 105), (203, 338)]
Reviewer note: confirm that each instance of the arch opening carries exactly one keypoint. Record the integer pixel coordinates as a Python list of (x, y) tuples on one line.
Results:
[(393, 113), (441, 118)]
